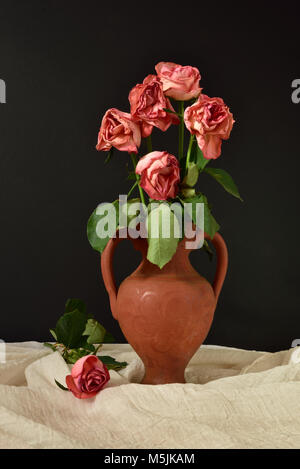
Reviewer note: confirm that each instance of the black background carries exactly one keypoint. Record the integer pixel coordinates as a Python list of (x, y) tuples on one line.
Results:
[(64, 64)]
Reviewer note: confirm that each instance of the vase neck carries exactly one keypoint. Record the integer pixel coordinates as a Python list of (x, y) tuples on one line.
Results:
[(178, 265)]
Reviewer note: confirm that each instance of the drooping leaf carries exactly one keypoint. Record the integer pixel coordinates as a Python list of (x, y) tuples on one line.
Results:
[(69, 328), (210, 224), (226, 181), (97, 242), (61, 386), (75, 303), (163, 235), (111, 363), (95, 332)]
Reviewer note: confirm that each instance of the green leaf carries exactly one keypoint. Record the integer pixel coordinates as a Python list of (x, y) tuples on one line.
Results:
[(95, 332), (111, 363), (53, 333), (61, 386), (197, 157), (191, 177), (69, 328), (226, 181), (108, 338), (210, 224), (89, 347), (124, 210), (75, 303), (83, 343), (161, 249), (96, 242)]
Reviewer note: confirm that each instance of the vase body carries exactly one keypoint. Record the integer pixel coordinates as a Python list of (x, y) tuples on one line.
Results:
[(165, 314)]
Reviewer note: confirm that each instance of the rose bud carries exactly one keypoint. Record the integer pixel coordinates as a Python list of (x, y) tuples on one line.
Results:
[(210, 120), (148, 104), (88, 376), (179, 82), (160, 175), (119, 130)]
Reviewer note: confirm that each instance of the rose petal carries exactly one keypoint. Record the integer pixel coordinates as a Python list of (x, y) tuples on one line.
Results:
[(88, 361)]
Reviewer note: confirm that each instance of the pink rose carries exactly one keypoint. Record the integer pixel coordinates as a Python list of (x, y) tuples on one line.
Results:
[(160, 175), (88, 376), (211, 121), (148, 102), (120, 131), (179, 82)]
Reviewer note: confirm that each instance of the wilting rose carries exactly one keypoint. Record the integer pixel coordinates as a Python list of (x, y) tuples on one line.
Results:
[(88, 376), (179, 82), (160, 175), (147, 101), (119, 130), (210, 120)]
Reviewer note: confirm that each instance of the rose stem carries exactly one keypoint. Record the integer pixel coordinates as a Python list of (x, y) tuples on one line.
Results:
[(149, 144), (99, 346), (133, 158), (132, 189), (189, 152), (181, 129)]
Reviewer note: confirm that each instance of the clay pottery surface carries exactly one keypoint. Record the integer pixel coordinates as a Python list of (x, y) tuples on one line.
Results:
[(165, 314)]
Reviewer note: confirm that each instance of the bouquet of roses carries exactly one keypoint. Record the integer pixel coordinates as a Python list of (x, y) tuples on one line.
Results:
[(171, 97)]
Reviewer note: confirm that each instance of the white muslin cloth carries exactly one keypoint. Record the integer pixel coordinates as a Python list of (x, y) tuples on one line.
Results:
[(233, 399)]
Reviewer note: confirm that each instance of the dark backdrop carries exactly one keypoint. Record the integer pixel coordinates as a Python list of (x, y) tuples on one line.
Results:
[(64, 64)]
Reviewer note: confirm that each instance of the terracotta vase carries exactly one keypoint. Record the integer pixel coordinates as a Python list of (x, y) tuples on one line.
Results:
[(165, 314)]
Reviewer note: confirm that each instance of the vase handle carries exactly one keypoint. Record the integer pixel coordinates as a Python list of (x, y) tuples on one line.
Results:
[(222, 262), (107, 272), (107, 265)]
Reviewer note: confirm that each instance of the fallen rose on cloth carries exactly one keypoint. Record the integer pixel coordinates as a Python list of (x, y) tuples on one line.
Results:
[(88, 376)]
